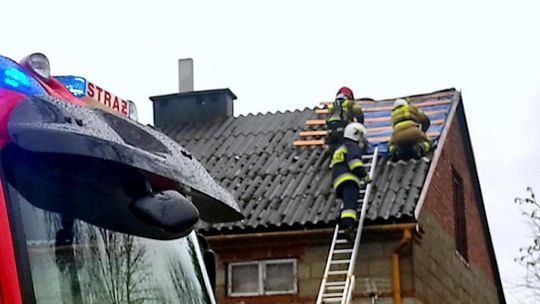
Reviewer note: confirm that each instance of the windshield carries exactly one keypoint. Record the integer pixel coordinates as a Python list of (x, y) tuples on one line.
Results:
[(72, 261)]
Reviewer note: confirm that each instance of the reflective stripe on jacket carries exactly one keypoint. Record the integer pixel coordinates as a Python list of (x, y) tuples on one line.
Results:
[(349, 213), (347, 164), (406, 121), (407, 116)]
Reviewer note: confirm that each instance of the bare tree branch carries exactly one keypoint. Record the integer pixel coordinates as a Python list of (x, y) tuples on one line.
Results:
[(529, 256)]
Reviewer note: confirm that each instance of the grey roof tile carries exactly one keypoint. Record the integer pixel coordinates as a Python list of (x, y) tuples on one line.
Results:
[(279, 186)]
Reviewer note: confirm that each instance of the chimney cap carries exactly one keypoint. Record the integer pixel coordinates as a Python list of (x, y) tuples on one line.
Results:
[(194, 93)]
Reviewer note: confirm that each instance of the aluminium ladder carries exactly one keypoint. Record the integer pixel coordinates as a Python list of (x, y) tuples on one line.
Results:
[(338, 280)]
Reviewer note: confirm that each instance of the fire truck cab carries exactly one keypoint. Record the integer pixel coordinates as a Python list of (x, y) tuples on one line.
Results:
[(95, 207)]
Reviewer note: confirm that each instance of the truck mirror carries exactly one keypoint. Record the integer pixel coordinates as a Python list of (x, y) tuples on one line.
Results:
[(103, 193), (167, 210)]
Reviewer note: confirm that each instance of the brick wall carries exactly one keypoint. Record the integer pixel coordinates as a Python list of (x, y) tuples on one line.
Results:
[(441, 273), (263, 248), (374, 273), (373, 267)]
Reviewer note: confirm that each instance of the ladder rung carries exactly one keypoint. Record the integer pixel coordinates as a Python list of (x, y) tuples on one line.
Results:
[(337, 272), (335, 283), (332, 300), (339, 251), (340, 262), (342, 241), (332, 295), (308, 143), (336, 287)]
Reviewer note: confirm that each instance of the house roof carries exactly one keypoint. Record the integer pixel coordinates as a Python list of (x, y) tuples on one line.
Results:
[(279, 186)]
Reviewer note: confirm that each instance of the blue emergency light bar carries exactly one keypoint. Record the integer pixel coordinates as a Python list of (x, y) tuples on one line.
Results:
[(75, 84), (13, 77)]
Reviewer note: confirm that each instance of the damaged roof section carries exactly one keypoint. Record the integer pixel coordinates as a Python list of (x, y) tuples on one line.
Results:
[(279, 186), (378, 117)]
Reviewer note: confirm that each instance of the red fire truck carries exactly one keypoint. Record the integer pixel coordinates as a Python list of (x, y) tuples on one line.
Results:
[(95, 207)]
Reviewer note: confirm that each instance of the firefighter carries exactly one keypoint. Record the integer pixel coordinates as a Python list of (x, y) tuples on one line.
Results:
[(409, 125), (343, 110), (348, 173)]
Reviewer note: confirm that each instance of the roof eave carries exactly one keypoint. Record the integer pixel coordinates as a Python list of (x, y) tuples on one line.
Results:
[(285, 228)]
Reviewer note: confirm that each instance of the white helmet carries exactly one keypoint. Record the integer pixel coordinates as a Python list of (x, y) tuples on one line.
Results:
[(355, 131), (400, 102)]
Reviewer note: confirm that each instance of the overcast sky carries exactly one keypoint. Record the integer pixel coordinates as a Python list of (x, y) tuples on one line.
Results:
[(286, 55)]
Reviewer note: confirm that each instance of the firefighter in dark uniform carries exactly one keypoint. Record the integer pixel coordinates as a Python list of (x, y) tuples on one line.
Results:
[(342, 111), (409, 125), (348, 173)]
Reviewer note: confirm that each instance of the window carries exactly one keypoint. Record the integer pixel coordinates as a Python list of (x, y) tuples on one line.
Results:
[(460, 224), (267, 277)]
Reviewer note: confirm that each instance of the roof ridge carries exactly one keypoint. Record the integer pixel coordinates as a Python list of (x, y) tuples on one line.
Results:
[(276, 112)]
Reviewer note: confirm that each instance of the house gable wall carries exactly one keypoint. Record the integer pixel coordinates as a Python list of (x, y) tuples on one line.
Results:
[(439, 271)]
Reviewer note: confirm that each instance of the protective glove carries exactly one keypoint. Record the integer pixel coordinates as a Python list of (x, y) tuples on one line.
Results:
[(367, 179)]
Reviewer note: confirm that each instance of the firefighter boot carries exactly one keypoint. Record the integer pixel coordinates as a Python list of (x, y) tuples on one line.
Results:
[(347, 224)]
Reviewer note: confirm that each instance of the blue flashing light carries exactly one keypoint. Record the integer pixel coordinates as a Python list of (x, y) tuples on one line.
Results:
[(16, 77), (75, 84), (13, 77)]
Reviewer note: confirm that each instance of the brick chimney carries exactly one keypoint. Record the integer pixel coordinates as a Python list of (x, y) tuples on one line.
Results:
[(189, 105)]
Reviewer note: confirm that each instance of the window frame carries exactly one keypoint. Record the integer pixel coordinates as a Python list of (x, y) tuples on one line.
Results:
[(460, 216), (294, 273), (262, 277), (230, 280)]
